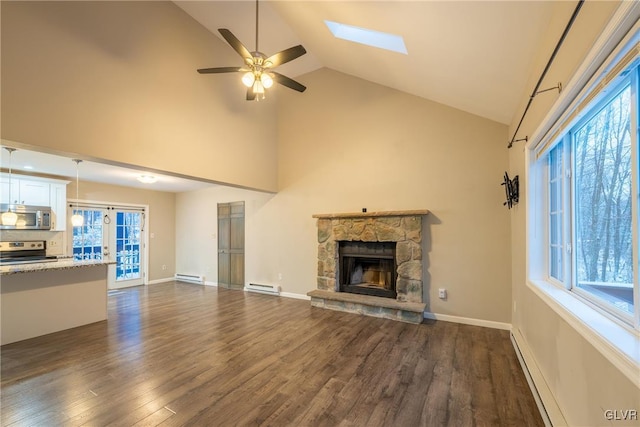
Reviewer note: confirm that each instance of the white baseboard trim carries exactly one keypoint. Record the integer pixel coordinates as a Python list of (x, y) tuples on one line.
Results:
[(207, 283), (295, 296), (468, 321), (547, 405), (156, 281)]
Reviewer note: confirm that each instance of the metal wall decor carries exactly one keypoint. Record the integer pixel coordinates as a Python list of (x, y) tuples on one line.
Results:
[(512, 190)]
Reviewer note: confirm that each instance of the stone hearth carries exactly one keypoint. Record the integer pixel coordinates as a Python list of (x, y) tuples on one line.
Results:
[(402, 227)]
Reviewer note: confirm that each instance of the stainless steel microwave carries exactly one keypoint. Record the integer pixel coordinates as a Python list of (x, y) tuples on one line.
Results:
[(29, 217)]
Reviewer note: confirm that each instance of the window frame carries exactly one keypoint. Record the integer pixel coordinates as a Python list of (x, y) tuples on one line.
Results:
[(565, 220), (567, 147), (614, 339)]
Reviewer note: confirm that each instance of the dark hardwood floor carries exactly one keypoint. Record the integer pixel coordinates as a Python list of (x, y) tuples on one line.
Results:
[(179, 354)]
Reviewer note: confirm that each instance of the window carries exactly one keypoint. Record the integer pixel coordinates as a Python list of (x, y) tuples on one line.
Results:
[(592, 199), (87, 239)]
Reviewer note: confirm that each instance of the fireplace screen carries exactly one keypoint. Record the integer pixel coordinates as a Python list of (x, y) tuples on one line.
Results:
[(368, 268)]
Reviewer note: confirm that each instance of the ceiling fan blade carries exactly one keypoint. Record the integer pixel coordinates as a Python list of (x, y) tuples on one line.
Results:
[(285, 56), (235, 43), (219, 70), (251, 95), (286, 81)]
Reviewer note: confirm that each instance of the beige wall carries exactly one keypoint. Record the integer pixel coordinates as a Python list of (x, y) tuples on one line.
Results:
[(117, 81), (197, 234), (582, 381), (161, 219), (348, 144)]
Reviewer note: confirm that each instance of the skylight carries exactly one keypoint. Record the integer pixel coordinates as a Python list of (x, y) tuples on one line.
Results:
[(367, 37)]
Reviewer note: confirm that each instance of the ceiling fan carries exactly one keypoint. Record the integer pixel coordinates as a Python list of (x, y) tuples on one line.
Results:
[(258, 70)]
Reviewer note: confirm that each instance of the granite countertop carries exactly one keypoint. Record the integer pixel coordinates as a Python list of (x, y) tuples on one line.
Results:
[(61, 264)]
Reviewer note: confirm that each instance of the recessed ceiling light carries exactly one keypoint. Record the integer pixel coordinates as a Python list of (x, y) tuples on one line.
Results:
[(27, 167), (147, 179), (367, 37)]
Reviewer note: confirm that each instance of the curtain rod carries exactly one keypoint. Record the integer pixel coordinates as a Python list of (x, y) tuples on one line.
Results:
[(106, 206), (546, 69)]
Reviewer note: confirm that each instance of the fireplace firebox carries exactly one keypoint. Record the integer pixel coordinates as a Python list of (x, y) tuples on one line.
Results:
[(368, 268)]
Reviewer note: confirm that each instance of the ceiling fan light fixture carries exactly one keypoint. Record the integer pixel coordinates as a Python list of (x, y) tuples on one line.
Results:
[(248, 79), (254, 77), (258, 88), (266, 80)]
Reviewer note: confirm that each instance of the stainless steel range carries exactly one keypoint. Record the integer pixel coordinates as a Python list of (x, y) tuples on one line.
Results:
[(24, 252)]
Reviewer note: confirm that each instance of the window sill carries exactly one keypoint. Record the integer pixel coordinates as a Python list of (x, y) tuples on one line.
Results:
[(617, 344)]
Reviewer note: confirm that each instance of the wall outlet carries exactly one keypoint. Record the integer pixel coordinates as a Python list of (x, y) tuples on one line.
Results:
[(164, 266), (52, 243), (442, 293), (279, 276)]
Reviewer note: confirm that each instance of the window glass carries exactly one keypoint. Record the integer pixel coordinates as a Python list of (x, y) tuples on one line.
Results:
[(603, 203), (87, 239)]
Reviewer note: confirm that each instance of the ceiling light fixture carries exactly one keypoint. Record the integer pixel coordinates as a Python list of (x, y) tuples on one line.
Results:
[(147, 179), (77, 220), (9, 217), (258, 73)]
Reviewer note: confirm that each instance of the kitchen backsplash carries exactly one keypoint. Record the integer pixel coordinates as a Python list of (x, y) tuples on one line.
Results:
[(55, 239)]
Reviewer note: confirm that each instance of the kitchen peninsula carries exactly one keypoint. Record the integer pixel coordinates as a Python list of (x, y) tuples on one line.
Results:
[(45, 297)]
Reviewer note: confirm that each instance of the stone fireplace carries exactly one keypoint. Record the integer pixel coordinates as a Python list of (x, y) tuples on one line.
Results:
[(371, 263)]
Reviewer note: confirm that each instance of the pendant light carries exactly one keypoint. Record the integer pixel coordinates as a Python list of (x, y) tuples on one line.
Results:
[(8, 217), (77, 220)]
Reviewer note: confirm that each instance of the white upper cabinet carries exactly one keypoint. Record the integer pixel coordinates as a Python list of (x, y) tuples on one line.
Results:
[(5, 193), (36, 191), (58, 207)]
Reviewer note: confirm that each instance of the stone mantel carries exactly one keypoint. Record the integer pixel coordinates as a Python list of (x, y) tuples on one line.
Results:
[(418, 212)]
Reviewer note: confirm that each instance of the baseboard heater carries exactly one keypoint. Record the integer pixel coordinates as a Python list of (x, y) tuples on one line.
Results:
[(263, 289), (191, 278)]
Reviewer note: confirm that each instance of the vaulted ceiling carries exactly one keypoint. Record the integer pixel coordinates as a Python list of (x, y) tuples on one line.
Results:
[(471, 55)]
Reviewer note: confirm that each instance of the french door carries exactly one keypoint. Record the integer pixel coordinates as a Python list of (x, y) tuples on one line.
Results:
[(112, 234)]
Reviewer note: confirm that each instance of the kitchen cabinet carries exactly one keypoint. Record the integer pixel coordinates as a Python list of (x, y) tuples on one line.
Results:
[(4, 190), (25, 192), (36, 191), (58, 196)]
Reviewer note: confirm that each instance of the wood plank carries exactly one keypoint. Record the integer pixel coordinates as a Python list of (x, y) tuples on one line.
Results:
[(219, 357)]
